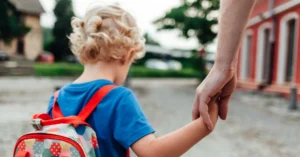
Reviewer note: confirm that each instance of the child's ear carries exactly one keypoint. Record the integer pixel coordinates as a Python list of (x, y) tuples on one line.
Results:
[(128, 56)]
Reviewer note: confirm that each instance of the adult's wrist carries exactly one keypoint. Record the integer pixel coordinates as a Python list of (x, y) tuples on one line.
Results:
[(223, 70), (226, 62), (225, 67)]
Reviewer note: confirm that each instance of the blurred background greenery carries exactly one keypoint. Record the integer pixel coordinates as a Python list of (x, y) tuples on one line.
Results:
[(193, 19)]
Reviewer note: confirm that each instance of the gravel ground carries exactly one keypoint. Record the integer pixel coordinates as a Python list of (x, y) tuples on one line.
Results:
[(258, 125)]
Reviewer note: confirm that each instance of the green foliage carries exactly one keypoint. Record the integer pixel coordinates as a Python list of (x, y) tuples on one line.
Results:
[(10, 25), (150, 40), (5, 31), (199, 65), (140, 71), (58, 69), (47, 38), (194, 18), (17, 28), (67, 69), (62, 28)]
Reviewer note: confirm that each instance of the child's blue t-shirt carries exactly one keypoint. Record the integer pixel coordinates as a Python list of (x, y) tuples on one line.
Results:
[(118, 120)]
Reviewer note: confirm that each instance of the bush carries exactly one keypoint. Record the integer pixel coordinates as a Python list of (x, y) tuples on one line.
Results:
[(139, 71), (68, 69), (58, 69)]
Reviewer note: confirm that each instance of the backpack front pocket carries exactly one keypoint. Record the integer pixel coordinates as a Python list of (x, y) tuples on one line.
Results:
[(44, 145)]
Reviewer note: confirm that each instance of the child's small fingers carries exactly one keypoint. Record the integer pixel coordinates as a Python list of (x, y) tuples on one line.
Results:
[(213, 105), (214, 99)]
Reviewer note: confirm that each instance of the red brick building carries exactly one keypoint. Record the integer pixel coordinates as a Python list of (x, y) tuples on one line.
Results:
[(270, 52)]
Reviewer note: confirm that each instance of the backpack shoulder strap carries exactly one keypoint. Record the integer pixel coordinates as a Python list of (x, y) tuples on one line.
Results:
[(88, 108), (56, 112), (94, 101)]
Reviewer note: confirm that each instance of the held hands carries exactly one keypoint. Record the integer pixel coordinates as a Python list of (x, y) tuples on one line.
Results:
[(216, 88), (213, 110)]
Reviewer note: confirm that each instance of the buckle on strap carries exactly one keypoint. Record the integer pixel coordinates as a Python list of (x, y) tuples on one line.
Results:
[(36, 123)]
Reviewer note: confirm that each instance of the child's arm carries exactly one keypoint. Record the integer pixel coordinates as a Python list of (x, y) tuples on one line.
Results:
[(175, 143)]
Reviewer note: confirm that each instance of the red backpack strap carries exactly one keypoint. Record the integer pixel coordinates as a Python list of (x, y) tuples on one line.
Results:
[(128, 153), (94, 101), (56, 112), (88, 108)]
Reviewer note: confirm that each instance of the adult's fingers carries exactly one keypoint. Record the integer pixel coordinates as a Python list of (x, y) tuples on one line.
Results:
[(195, 111), (203, 109), (223, 108)]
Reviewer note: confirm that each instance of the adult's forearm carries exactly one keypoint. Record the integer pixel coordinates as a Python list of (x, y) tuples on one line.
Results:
[(232, 23)]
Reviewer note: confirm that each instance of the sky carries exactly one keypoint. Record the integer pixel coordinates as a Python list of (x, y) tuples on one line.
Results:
[(145, 12)]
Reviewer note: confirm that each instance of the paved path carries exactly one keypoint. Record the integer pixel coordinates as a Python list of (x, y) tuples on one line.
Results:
[(253, 129)]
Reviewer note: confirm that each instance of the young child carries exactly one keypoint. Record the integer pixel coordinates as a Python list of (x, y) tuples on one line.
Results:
[(106, 42)]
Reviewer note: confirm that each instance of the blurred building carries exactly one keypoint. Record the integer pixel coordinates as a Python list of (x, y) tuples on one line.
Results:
[(270, 52), (174, 53), (29, 46)]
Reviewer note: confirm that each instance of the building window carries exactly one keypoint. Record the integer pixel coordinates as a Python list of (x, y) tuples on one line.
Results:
[(290, 50), (287, 52), (263, 57), (245, 57), (266, 52)]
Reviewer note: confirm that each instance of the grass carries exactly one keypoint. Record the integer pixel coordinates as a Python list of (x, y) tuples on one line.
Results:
[(67, 69)]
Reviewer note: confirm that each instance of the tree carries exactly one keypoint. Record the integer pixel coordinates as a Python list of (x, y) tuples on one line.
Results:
[(47, 38), (10, 25), (5, 31), (194, 18), (150, 40), (62, 28)]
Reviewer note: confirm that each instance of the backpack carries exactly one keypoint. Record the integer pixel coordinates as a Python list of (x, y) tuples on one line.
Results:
[(62, 136)]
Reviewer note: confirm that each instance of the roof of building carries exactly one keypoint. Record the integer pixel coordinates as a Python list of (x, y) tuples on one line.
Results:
[(28, 6)]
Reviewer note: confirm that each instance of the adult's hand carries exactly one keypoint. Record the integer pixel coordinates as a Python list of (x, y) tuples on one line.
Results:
[(220, 81)]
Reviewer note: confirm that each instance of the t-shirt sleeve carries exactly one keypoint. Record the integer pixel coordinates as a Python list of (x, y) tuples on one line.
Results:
[(131, 123)]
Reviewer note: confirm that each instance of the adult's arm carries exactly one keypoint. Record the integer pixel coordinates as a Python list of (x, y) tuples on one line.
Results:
[(232, 23), (221, 79)]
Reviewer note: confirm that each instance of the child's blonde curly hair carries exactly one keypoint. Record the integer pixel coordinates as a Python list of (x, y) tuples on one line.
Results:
[(107, 33)]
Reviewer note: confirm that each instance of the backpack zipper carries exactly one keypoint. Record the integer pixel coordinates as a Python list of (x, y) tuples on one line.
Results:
[(50, 136)]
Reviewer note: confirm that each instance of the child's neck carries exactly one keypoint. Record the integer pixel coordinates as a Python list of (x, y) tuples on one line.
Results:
[(97, 71)]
